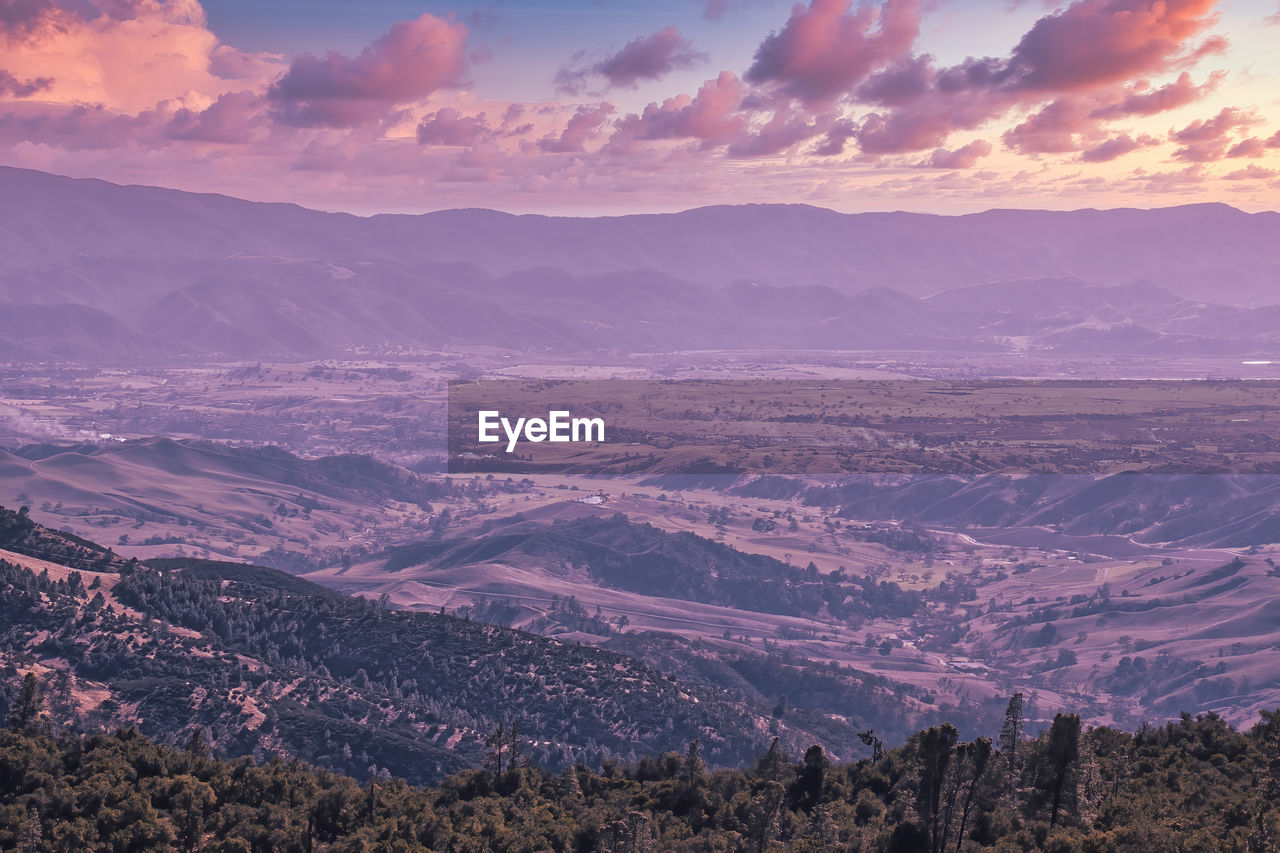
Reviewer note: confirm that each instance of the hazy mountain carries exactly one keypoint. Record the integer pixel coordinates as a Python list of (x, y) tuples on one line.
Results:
[(90, 270), (1196, 251)]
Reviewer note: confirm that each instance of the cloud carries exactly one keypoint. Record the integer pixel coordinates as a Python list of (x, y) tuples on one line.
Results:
[(1252, 172), (784, 130), (828, 48), (1168, 182), (965, 157), (232, 119), (1207, 140), (836, 137), (128, 55), (77, 129), (1143, 101), (1076, 69), (1252, 148), (1096, 42), (1071, 121), (587, 123), (649, 57), (1053, 129), (1116, 147), (447, 126), (712, 116), (20, 18), (917, 128), (13, 87), (413, 60)]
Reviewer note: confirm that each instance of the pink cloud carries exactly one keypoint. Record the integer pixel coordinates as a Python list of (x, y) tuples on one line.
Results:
[(901, 83), (965, 157), (836, 137), (587, 124), (1207, 140), (649, 57), (1252, 172), (128, 56), (414, 59), (1251, 148), (447, 126), (1075, 59), (1053, 129), (784, 130), (1146, 102), (20, 18), (79, 128), (1116, 147), (712, 116), (232, 119), (1097, 42), (1167, 182), (828, 48), (13, 87), (923, 125)]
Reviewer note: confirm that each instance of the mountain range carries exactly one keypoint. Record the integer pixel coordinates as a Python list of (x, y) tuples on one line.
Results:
[(94, 271)]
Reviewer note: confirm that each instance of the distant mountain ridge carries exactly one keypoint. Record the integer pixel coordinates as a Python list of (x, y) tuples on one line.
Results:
[(90, 270), (53, 219)]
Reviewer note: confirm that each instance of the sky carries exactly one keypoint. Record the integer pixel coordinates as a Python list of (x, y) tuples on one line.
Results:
[(595, 107)]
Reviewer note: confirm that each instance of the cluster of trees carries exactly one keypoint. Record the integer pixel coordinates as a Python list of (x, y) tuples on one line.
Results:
[(1194, 784), (21, 534), (266, 661)]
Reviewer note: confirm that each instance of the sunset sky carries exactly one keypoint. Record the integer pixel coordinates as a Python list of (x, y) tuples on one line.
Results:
[(600, 106)]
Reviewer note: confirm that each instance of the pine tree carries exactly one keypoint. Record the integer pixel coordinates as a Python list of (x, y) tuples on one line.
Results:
[(570, 787), (1062, 753), (770, 764), (494, 760), (766, 815), (1010, 737), (694, 767), (980, 756), (27, 714), (813, 773), (935, 749)]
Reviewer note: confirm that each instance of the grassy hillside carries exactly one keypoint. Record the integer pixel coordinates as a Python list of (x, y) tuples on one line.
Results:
[(619, 553)]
